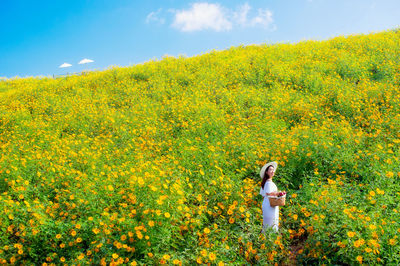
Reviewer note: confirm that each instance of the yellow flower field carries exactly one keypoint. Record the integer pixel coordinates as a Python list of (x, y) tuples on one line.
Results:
[(159, 163)]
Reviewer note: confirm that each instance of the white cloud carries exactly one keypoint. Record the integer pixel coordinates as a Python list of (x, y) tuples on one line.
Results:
[(202, 16), (65, 65), (264, 18), (241, 16), (155, 17), (85, 61), (207, 16)]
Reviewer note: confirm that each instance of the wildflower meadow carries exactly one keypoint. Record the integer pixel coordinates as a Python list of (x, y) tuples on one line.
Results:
[(158, 163)]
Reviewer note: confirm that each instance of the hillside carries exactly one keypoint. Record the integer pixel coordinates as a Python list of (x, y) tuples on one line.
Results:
[(159, 163)]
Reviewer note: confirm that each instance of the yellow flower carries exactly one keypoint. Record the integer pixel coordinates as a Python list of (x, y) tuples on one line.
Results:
[(372, 193), (166, 257), (392, 242), (389, 174), (373, 243), (176, 261), (212, 256), (115, 256), (206, 230), (359, 243), (203, 252), (359, 259), (58, 236), (167, 215), (368, 250), (372, 226), (351, 234)]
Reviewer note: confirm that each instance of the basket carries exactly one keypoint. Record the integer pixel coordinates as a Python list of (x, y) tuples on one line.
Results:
[(277, 201)]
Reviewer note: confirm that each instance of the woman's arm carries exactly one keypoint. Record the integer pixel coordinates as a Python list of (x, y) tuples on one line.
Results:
[(275, 193)]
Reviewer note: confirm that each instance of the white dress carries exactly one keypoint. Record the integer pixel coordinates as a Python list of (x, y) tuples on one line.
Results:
[(270, 214)]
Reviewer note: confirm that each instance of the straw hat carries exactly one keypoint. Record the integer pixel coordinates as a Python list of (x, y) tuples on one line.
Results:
[(264, 168)]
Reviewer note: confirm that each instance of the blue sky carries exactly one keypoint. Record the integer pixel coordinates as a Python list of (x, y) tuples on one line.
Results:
[(36, 37)]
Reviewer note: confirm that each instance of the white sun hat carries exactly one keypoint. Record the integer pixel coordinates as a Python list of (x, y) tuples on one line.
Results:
[(264, 168), (65, 65)]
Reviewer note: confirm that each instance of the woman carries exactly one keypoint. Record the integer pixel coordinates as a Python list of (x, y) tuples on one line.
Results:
[(268, 188)]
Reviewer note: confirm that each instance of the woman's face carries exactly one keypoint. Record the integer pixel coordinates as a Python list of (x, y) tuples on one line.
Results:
[(271, 171)]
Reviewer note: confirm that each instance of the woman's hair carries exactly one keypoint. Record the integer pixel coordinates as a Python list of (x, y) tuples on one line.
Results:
[(266, 177)]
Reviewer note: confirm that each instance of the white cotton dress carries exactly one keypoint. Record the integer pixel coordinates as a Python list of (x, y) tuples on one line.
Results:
[(270, 214)]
